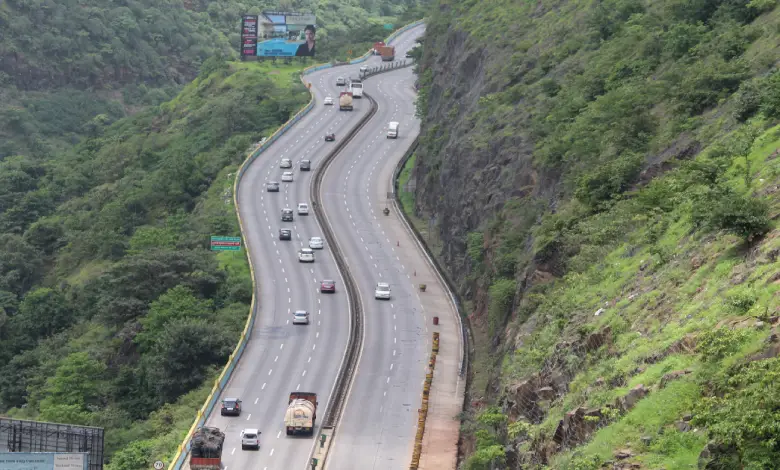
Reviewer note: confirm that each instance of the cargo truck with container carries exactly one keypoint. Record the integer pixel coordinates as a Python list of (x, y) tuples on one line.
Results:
[(387, 53), (356, 87), (377, 46), (206, 449), (301, 415), (345, 101)]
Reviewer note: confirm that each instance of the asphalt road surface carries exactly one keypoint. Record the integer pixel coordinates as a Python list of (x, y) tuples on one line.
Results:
[(281, 357), (378, 426)]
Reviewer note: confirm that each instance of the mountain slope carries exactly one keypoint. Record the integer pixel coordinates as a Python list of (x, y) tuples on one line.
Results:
[(600, 179)]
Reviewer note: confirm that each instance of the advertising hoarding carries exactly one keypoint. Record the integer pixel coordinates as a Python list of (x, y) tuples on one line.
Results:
[(286, 34), (19, 437), (43, 461), (248, 35)]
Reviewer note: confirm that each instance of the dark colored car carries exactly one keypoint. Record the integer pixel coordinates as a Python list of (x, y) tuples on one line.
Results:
[(330, 137), (272, 187), (327, 285), (231, 407), (305, 165), (287, 215), (285, 234)]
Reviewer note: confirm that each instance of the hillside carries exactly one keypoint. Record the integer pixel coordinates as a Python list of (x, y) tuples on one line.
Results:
[(600, 180), (113, 311), (62, 63)]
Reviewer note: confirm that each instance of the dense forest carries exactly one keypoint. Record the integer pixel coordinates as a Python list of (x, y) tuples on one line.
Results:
[(600, 179), (64, 62), (119, 151)]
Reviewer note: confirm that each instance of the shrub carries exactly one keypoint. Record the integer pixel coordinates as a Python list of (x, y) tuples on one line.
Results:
[(724, 209)]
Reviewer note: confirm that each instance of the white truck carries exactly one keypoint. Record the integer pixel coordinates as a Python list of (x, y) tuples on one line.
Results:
[(392, 130), (301, 415), (356, 87)]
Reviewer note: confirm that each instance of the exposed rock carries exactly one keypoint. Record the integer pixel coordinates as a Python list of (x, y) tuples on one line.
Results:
[(682, 426), (714, 454), (545, 393), (622, 454), (599, 382), (628, 401), (687, 417), (672, 376), (696, 262), (646, 440), (598, 339)]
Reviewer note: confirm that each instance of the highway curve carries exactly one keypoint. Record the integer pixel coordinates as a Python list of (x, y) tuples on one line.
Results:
[(281, 357), (379, 422)]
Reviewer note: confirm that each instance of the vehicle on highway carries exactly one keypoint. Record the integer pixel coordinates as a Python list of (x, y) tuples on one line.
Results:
[(356, 87), (341, 81), (206, 449), (272, 186), (231, 407), (250, 439), (315, 243), (306, 255), (363, 69), (303, 208), (285, 234), (330, 137), (301, 414), (392, 130), (305, 165), (328, 285), (345, 101), (287, 177), (328, 101), (287, 215), (285, 163), (382, 291), (301, 317)]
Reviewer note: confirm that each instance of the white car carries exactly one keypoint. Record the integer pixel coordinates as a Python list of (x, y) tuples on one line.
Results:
[(315, 243), (301, 317), (285, 163), (250, 438), (382, 291), (303, 208), (287, 176), (328, 101), (340, 81), (306, 255)]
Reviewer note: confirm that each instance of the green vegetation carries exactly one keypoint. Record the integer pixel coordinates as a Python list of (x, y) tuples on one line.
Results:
[(649, 294), (113, 311), (71, 65)]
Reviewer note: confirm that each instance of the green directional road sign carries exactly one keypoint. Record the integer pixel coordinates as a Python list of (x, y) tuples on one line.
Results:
[(225, 243), (388, 26)]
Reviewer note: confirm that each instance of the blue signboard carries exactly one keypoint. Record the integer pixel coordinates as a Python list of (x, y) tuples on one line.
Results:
[(278, 48), (43, 461)]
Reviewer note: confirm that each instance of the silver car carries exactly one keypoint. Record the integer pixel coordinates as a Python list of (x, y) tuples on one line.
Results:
[(306, 255), (382, 291), (285, 163), (301, 317), (315, 243), (287, 176)]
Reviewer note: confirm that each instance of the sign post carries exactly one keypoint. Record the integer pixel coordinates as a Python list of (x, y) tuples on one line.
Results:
[(225, 243)]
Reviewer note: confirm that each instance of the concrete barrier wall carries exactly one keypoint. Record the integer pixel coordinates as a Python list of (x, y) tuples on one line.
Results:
[(178, 460)]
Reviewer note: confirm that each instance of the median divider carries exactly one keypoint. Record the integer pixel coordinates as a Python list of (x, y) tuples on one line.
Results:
[(335, 406)]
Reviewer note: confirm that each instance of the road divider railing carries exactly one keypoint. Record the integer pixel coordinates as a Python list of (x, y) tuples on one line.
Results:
[(331, 417), (422, 413)]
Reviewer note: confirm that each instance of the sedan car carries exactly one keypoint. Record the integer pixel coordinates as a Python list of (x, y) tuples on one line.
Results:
[(287, 215), (328, 101), (231, 407), (250, 439), (305, 165), (272, 186), (382, 291), (330, 137), (327, 285), (301, 317), (285, 163), (315, 243), (303, 208), (306, 255), (285, 234), (287, 176)]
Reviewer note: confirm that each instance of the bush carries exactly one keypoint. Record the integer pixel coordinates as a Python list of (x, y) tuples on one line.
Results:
[(609, 180), (501, 295), (724, 209)]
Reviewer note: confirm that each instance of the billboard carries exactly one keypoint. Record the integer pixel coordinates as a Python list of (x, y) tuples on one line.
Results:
[(43, 461), (279, 34), (19, 437)]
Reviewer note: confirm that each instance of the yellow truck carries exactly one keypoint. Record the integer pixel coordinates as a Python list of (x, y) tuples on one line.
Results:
[(301, 415)]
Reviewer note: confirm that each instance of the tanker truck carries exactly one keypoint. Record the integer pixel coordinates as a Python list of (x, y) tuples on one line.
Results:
[(301, 414), (206, 449)]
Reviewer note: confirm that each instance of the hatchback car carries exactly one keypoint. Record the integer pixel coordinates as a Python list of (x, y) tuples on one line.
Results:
[(305, 165), (330, 137), (285, 234), (327, 285), (285, 163), (231, 407), (328, 101), (306, 255), (315, 243), (250, 439), (287, 176), (287, 215), (272, 186), (301, 317), (303, 208), (382, 291)]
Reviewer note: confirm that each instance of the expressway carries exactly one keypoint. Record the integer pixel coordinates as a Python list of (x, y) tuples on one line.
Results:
[(281, 357), (378, 425)]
